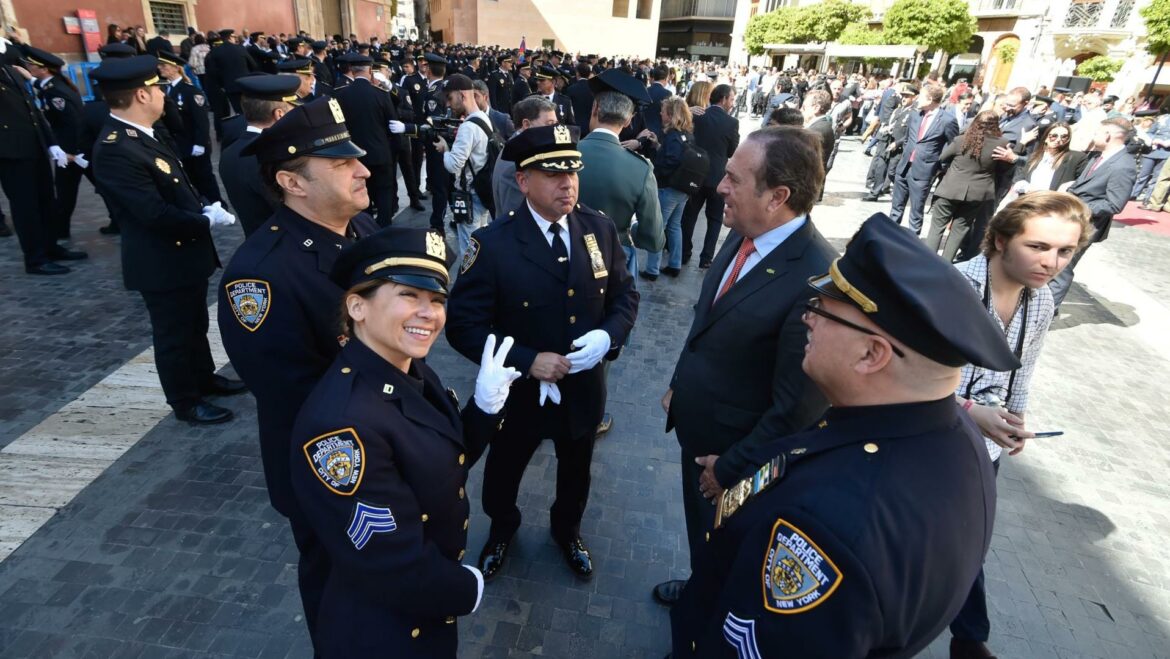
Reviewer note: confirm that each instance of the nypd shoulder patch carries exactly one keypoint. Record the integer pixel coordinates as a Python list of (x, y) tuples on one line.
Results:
[(199, 99), (59, 103), (797, 575), (338, 459), (250, 299), (741, 634), (368, 520), (470, 255)]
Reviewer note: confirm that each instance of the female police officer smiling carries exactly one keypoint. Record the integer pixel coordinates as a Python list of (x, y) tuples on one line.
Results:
[(380, 456)]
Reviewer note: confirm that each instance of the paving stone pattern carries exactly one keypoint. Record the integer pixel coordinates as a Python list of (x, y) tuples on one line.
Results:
[(174, 551)]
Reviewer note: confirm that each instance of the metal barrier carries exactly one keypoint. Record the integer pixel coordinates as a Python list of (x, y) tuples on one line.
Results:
[(78, 72)]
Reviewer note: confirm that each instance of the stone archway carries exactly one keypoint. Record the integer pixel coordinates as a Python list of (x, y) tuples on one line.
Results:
[(1003, 58)]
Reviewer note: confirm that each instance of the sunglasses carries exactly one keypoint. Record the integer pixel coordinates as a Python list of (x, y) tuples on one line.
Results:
[(1058, 136), (815, 306)]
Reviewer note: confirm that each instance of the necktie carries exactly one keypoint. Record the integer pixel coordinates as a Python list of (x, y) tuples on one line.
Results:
[(559, 249), (921, 132), (1095, 166), (746, 249)]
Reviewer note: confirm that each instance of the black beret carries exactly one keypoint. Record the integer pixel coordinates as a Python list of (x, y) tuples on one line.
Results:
[(118, 50), (167, 57), (295, 65), (549, 148), (407, 256), (612, 80), (42, 58), (267, 87), (315, 129), (459, 83), (126, 73), (916, 296)]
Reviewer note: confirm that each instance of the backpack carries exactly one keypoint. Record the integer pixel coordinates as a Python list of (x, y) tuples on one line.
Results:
[(481, 181), (693, 168)]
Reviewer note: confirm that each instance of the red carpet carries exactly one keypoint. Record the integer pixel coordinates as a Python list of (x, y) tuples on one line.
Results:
[(1134, 216)]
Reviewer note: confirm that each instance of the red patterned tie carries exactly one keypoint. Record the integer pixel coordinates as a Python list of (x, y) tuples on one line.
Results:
[(746, 249)]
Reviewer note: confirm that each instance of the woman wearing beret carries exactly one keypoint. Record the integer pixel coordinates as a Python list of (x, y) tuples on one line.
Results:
[(380, 456)]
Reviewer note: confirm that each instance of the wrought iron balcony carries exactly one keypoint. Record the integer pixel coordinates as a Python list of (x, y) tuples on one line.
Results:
[(1098, 15), (698, 9)]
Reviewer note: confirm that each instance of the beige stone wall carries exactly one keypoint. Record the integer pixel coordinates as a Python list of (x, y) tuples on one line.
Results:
[(585, 26)]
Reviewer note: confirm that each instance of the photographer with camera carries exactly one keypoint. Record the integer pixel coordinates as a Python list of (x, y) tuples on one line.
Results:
[(465, 158)]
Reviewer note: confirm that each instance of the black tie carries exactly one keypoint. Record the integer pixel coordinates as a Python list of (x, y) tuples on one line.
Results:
[(559, 249)]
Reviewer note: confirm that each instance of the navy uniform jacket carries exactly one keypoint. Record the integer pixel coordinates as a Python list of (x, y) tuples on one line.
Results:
[(22, 138), (251, 199), (652, 114), (413, 85), (864, 548), (226, 63), (322, 71), (166, 239), (66, 114), (943, 130), (283, 338), (521, 89), (582, 98), (379, 462), (232, 128), (185, 117), (564, 105), (511, 285), (368, 112), (500, 84)]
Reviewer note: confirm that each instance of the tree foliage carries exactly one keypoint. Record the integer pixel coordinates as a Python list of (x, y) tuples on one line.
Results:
[(1100, 68), (859, 34), (1157, 18), (828, 19), (820, 22), (944, 25)]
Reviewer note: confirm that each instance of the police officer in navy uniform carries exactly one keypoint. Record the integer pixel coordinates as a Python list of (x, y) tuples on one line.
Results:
[(321, 67), (265, 99), (434, 104), (310, 88), (380, 455), (500, 83), (857, 537), (186, 119), (546, 77), (552, 274), (167, 251), (412, 83), (277, 306)]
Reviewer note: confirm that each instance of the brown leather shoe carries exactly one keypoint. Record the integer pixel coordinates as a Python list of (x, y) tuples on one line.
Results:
[(964, 649)]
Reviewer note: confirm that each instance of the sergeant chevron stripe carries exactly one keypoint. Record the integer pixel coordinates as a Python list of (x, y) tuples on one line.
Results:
[(741, 634), (368, 520)]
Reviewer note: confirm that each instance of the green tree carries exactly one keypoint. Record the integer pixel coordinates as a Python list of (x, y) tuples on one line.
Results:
[(944, 25), (823, 21), (1157, 17), (859, 34), (827, 20), (773, 27), (1100, 68)]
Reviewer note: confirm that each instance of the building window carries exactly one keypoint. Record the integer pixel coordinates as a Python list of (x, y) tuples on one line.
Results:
[(1084, 13), (621, 8), (773, 5), (645, 8), (1121, 15), (548, 44), (168, 16)]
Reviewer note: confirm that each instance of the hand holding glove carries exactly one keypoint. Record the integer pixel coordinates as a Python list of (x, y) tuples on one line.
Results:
[(397, 127), (494, 379), (197, 151), (593, 346), (216, 214), (80, 161), (59, 156), (550, 391)]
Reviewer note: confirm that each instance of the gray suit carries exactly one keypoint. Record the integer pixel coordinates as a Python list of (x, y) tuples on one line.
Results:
[(1105, 189)]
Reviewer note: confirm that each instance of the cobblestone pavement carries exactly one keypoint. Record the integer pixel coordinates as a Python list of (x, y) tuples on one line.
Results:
[(174, 551)]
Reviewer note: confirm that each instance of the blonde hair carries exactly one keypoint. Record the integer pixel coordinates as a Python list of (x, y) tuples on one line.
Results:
[(678, 115), (700, 94)]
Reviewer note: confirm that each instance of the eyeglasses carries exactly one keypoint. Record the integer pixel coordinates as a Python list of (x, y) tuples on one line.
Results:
[(814, 305), (1059, 136)]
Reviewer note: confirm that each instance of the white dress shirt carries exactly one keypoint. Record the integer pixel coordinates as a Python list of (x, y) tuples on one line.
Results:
[(765, 243), (544, 224)]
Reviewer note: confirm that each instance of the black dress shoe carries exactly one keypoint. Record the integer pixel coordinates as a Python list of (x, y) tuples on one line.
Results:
[(4, 230), (203, 414), (47, 268), (221, 386), (605, 425), (62, 254), (686, 258), (704, 264), (964, 649), (869, 197), (491, 559), (110, 230), (647, 276), (668, 592), (577, 556), (417, 205), (423, 194), (673, 272)]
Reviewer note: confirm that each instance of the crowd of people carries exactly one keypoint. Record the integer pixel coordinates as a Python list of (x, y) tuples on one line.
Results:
[(549, 172)]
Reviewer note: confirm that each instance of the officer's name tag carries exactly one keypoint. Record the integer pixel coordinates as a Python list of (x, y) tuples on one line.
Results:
[(735, 496), (596, 260)]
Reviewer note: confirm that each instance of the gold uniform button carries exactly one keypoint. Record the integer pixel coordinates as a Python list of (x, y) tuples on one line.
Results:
[(274, 228), (346, 369), (461, 493), (176, 180), (466, 523), (572, 319), (870, 448), (425, 517), (526, 304), (462, 553), (450, 620), (462, 458), (571, 293), (178, 243), (708, 536), (415, 632)]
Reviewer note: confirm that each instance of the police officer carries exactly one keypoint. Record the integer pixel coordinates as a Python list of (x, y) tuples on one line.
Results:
[(95, 113), (500, 84), (412, 85), (277, 305), (226, 63), (321, 68), (553, 275), (310, 88), (185, 117), (546, 78), (522, 84), (264, 100), (380, 455), (434, 104), (167, 251), (856, 537)]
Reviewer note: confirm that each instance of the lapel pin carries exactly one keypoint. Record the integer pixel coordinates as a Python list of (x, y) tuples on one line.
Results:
[(387, 389), (771, 271)]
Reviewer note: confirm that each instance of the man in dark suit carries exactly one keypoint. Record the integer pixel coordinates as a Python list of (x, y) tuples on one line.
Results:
[(369, 111), (265, 101), (717, 133), (1104, 186), (817, 119), (581, 97), (738, 383), (1015, 120), (227, 63), (652, 114), (167, 251), (927, 132), (159, 44), (557, 282), (891, 137)]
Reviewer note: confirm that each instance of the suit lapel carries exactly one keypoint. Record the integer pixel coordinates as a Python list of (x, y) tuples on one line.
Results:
[(536, 248), (714, 277)]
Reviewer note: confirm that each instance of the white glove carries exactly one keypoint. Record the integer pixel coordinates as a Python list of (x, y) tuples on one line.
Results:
[(397, 127), (381, 77), (217, 215), (61, 158), (197, 151), (593, 346), (80, 161), (549, 391), (494, 379)]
